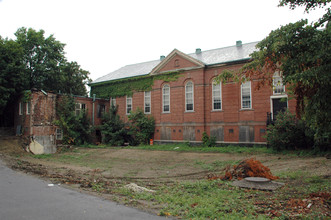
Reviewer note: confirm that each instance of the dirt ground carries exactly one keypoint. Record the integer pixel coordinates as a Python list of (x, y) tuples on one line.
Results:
[(84, 168), (162, 165)]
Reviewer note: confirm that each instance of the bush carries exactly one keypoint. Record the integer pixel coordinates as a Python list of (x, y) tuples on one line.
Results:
[(76, 129), (141, 127), (113, 129), (208, 141), (289, 133)]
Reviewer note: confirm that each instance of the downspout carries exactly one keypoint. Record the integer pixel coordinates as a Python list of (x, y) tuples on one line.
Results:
[(93, 109), (204, 100)]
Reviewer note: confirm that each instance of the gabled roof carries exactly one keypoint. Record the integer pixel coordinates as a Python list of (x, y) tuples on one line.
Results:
[(209, 57)]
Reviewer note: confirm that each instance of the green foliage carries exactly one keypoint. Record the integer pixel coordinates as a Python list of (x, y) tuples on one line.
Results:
[(208, 141), (35, 61), (113, 129), (123, 87), (76, 128), (141, 126), (288, 133), (301, 51)]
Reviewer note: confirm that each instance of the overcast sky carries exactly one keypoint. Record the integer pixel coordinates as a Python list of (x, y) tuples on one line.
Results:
[(104, 35)]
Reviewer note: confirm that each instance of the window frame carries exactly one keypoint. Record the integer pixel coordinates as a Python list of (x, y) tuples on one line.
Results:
[(82, 106), (101, 110), (59, 135), (127, 105), (163, 98), (220, 95), (20, 108), (187, 100), (275, 87), (28, 108), (244, 86), (112, 102), (148, 102)]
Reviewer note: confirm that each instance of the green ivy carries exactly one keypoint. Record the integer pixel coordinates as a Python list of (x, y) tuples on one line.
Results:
[(123, 87)]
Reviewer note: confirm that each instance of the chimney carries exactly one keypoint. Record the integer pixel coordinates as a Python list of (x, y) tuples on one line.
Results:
[(197, 51), (162, 57), (239, 43)]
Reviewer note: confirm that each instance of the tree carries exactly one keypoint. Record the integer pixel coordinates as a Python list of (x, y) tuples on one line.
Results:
[(301, 51), (35, 61), (141, 126)]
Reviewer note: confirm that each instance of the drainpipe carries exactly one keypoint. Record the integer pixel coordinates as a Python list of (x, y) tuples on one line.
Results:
[(93, 109)]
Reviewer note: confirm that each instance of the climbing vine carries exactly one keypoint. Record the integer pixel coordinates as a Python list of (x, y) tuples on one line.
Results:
[(123, 87)]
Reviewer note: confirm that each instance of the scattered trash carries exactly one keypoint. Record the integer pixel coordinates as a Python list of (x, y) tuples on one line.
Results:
[(176, 148), (139, 189), (51, 184)]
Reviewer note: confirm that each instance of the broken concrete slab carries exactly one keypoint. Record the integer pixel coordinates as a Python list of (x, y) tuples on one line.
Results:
[(258, 183)]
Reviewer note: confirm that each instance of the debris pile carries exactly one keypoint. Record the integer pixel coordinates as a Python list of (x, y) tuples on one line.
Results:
[(246, 168)]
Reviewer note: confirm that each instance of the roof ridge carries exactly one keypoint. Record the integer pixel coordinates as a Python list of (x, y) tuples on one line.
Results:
[(223, 47)]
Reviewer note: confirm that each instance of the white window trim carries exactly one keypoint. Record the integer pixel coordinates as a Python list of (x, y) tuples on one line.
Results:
[(150, 102), (126, 109), (28, 108), (192, 97), (163, 98), (250, 95), (20, 108), (112, 102), (276, 97), (61, 134), (80, 107), (212, 91), (277, 75)]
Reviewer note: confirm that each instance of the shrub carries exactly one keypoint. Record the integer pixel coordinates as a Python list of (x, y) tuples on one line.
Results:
[(76, 129), (289, 133), (113, 129), (208, 141), (141, 127)]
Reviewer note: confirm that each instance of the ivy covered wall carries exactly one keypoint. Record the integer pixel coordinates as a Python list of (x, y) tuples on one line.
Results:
[(123, 87)]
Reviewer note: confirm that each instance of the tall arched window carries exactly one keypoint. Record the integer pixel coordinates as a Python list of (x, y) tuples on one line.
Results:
[(166, 98), (217, 95), (189, 96)]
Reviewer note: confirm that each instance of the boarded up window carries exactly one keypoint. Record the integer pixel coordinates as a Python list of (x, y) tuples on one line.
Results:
[(165, 133), (246, 134), (189, 133), (217, 132)]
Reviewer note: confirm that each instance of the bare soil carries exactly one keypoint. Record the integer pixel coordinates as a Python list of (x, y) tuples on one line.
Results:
[(84, 168)]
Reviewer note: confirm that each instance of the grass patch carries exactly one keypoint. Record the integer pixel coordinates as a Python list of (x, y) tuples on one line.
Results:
[(42, 156), (224, 149)]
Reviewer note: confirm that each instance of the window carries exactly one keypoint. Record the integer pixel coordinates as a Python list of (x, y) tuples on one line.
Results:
[(189, 96), (166, 98), (79, 108), (101, 110), (246, 99), (176, 64), (59, 134), (113, 102), (128, 104), (147, 101), (217, 96), (278, 86), (20, 108), (28, 108)]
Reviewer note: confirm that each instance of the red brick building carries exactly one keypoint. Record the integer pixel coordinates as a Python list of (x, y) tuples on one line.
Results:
[(35, 117), (183, 109)]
